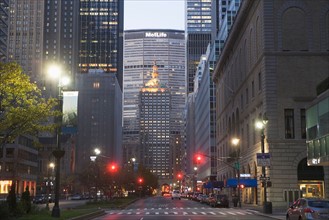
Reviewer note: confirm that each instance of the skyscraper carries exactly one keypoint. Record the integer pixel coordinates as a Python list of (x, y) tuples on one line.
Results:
[(199, 31), (25, 35), (3, 30), (156, 152), (60, 33), (99, 117), (101, 36), (141, 49)]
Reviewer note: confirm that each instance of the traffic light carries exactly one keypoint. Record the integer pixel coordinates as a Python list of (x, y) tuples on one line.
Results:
[(269, 184), (112, 167), (140, 180), (241, 186), (179, 176), (198, 158)]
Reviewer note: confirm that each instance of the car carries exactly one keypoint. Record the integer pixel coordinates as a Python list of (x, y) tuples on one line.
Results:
[(175, 195), (203, 198), (220, 200), (39, 199), (75, 197), (308, 208)]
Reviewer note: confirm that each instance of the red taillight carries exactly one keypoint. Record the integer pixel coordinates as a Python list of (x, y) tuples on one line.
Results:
[(308, 210)]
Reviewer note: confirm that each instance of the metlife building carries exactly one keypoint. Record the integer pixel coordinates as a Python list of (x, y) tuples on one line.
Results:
[(142, 48)]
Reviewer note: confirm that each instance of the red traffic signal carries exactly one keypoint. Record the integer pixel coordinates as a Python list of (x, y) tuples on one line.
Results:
[(198, 158), (241, 186), (179, 176), (112, 167), (140, 180)]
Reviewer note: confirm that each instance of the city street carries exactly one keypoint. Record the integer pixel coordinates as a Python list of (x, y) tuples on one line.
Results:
[(164, 208)]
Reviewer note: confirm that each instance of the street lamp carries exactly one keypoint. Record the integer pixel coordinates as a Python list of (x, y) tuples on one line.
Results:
[(267, 206), (56, 72), (50, 166), (235, 142)]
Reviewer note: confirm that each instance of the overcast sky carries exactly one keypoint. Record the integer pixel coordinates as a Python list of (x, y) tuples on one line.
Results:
[(154, 14)]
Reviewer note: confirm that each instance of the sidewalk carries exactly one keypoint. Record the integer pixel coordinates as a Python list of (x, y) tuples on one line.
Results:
[(258, 210)]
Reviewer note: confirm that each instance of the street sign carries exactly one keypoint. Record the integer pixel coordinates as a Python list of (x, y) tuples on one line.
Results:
[(245, 175), (263, 159), (267, 178)]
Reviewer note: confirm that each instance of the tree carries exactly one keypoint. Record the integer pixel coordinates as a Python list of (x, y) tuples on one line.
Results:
[(23, 110)]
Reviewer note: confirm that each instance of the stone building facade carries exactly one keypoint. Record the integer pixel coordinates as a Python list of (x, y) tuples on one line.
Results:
[(276, 53)]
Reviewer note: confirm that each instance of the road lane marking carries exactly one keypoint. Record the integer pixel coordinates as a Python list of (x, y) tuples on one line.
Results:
[(232, 213), (222, 213), (212, 213)]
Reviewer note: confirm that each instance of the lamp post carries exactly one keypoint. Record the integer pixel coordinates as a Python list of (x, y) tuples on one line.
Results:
[(93, 159), (267, 206), (235, 142), (51, 165), (55, 72)]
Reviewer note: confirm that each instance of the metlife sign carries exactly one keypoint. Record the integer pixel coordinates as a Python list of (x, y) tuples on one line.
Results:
[(156, 34)]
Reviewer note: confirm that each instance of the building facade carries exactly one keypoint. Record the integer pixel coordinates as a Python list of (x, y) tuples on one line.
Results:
[(317, 127), (19, 164), (141, 49), (4, 16), (25, 36), (267, 49), (99, 118), (199, 32), (156, 150), (101, 37)]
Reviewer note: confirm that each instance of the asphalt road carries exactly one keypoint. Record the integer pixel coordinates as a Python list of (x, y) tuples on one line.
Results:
[(163, 208)]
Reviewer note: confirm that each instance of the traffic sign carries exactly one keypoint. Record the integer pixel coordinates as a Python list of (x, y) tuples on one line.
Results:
[(263, 159)]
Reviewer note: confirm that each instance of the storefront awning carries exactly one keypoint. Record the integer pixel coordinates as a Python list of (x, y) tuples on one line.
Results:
[(245, 182)]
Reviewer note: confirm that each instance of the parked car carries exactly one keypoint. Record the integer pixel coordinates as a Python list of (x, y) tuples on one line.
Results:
[(175, 194), (211, 198), (220, 200), (75, 197), (39, 199), (203, 198), (308, 208), (195, 196)]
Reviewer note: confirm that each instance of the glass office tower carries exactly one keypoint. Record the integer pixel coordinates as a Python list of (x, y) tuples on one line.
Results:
[(101, 36), (199, 34)]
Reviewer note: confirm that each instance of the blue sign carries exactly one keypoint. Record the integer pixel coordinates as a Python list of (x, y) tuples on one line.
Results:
[(245, 182)]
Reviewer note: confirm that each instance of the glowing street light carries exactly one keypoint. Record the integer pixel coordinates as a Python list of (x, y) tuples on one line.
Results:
[(55, 72), (260, 124), (236, 142)]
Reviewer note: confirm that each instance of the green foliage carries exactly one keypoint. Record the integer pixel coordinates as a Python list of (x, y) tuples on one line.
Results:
[(4, 210), (23, 110)]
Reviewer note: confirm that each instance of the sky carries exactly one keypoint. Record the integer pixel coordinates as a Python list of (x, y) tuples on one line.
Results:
[(154, 14)]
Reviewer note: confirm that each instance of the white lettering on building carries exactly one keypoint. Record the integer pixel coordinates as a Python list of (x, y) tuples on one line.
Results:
[(155, 34)]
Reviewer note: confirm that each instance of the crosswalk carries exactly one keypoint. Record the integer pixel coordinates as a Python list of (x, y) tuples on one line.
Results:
[(181, 211)]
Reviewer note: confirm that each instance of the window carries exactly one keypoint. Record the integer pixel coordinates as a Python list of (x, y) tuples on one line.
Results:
[(289, 123), (259, 81), (252, 89), (303, 123)]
